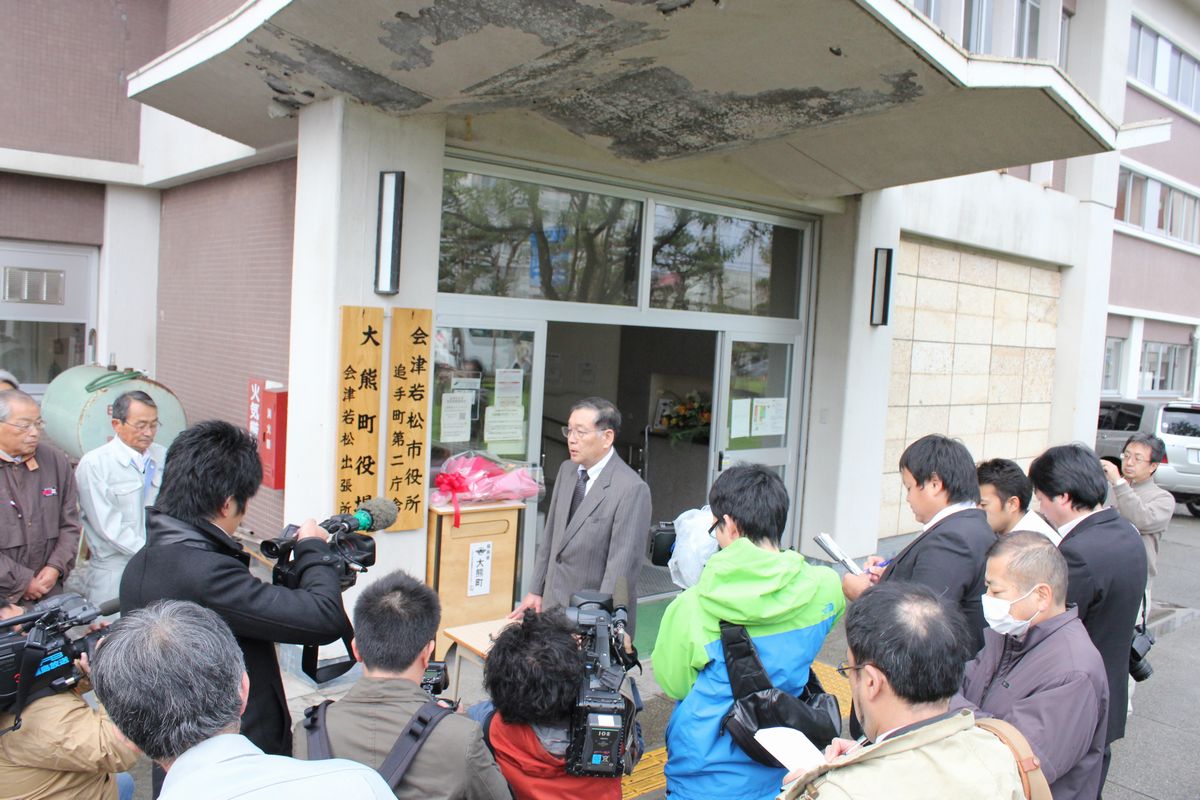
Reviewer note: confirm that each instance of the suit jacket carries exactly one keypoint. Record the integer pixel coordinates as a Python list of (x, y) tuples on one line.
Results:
[(203, 565), (950, 558), (604, 541), (1106, 576)]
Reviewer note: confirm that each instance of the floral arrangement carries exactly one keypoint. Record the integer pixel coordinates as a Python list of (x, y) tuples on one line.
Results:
[(689, 419)]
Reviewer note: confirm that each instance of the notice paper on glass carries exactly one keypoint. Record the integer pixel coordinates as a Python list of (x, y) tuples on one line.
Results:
[(479, 569), (509, 385), (456, 416), (504, 423), (768, 416), (791, 747), (739, 419)]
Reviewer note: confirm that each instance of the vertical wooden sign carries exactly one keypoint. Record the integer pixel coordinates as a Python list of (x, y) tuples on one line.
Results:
[(409, 388), (358, 429)]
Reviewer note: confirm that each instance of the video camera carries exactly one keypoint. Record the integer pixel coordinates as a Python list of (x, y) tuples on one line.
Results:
[(37, 659), (603, 737), (353, 552), (350, 554)]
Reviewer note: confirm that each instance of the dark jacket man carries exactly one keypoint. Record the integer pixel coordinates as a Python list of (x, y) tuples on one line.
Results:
[(1051, 685), (203, 564), (1106, 565), (948, 557)]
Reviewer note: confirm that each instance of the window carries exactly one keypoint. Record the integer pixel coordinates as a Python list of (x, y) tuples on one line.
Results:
[(1113, 348), (977, 26), (1064, 38), (712, 262), (1170, 212), (1181, 82), (1179, 421), (1029, 14), (1166, 367), (926, 7), (36, 352), (511, 238)]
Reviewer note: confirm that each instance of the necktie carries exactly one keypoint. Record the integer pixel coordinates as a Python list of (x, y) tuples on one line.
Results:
[(149, 479), (580, 491)]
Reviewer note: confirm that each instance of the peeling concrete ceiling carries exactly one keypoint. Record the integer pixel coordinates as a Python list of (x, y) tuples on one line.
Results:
[(817, 97)]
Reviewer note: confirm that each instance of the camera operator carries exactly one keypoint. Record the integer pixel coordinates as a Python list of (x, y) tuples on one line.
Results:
[(212, 471), (395, 621), (533, 674), (63, 748)]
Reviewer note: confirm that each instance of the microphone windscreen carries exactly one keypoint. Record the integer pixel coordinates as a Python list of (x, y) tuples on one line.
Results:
[(382, 511), (110, 607), (621, 593)]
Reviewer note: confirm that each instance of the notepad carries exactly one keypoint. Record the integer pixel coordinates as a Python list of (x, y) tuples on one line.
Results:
[(791, 747)]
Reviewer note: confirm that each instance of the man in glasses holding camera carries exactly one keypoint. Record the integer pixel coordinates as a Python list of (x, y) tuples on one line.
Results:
[(1146, 505), (212, 471), (116, 482), (39, 521)]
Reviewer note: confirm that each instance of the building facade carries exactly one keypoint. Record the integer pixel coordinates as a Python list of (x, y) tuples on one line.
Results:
[(599, 198)]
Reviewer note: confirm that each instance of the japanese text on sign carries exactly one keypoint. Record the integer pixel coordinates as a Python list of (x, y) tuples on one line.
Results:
[(358, 426), (409, 376)]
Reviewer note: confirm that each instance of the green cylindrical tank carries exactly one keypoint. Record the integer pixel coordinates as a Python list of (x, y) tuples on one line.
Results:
[(77, 407)]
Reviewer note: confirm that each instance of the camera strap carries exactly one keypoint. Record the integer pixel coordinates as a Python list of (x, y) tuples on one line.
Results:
[(321, 673)]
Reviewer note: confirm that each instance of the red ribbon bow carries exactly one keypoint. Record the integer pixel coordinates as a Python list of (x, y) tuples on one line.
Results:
[(453, 483)]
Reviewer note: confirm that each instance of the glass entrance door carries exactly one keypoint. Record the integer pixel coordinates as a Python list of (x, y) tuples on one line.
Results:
[(495, 370), (755, 407)]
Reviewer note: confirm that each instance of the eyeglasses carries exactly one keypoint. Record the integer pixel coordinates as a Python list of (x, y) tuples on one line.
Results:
[(846, 666), (143, 426), (40, 424), (712, 528), (1136, 458), (578, 433)]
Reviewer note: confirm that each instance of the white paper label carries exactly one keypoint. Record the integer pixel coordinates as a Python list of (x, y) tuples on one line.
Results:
[(739, 418), (509, 385), (456, 416), (479, 571)]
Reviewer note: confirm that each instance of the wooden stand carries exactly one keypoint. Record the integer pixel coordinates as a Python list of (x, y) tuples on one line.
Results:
[(453, 573)]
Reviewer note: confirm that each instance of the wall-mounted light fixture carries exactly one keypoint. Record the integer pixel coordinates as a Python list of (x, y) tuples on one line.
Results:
[(387, 240), (881, 286)]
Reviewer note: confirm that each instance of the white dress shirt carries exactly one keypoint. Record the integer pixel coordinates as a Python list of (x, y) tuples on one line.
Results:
[(595, 470), (953, 508), (115, 483), (229, 766)]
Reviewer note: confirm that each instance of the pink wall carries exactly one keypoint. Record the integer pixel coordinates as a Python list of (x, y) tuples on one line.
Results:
[(1176, 157), (65, 65), (50, 210), (224, 297), (1151, 276), (186, 18)]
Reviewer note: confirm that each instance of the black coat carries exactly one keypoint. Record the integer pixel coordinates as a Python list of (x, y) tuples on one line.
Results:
[(206, 566), (1106, 577), (950, 558)]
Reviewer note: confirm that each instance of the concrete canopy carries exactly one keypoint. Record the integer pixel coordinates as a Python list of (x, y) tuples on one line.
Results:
[(783, 98)]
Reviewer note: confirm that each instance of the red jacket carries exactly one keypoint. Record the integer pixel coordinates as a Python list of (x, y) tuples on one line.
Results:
[(535, 774)]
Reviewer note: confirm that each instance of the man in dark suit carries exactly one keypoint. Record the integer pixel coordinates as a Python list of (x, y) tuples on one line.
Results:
[(599, 517), (1106, 564), (211, 472), (950, 554)]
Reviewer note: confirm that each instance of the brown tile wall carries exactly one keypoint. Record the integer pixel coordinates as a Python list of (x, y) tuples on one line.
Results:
[(224, 297), (186, 18), (50, 210), (1178, 155), (1153, 276), (65, 65)]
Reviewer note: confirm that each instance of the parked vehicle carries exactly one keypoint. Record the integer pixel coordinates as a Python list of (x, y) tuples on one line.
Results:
[(1176, 422)]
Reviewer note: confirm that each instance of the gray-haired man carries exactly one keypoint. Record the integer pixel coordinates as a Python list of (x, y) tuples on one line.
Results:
[(1137, 497), (116, 482), (172, 679)]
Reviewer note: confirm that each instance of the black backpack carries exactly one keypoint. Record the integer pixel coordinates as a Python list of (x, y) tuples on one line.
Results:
[(403, 752), (758, 704)]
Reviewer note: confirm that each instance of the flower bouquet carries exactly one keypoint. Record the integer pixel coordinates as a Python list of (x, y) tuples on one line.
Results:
[(477, 476)]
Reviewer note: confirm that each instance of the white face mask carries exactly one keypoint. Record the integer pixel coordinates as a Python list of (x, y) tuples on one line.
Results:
[(998, 613)]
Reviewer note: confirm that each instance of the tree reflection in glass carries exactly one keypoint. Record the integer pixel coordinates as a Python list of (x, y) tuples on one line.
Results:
[(510, 238)]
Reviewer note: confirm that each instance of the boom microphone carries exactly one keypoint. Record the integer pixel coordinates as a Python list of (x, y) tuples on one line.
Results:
[(110, 607)]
